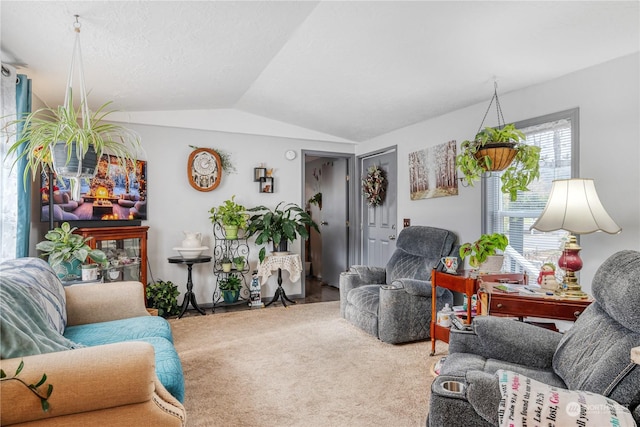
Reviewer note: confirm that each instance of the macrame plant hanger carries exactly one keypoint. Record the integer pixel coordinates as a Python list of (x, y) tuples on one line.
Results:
[(69, 160)]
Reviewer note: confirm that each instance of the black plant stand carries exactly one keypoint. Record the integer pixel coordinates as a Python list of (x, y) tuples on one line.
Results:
[(189, 297), (280, 292)]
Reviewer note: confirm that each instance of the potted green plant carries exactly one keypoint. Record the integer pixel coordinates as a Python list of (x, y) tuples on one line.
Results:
[(231, 215), (230, 287), (163, 296), (70, 141), (495, 149), (281, 225), (239, 262), (316, 200), (483, 249), (66, 251), (225, 262)]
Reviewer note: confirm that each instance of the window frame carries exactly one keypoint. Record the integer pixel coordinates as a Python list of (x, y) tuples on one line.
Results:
[(573, 115)]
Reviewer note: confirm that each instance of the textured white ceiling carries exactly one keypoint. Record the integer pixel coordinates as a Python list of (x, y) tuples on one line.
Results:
[(352, 69)]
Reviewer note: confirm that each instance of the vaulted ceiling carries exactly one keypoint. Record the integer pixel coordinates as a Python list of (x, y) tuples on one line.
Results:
[(350, 69)]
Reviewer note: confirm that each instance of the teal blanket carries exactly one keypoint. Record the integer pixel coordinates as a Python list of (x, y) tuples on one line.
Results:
[(24, 327)]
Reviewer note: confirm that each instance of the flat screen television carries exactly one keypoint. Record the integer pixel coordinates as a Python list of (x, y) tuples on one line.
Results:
[(116, 195)]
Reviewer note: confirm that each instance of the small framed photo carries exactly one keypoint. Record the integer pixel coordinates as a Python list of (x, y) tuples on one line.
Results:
[(266, 184), (259, 173)]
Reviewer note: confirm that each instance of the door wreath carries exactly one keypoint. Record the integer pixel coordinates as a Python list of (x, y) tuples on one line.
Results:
[(374, 186)]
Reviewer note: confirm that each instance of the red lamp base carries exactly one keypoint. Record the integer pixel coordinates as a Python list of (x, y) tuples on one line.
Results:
[(570, 262)]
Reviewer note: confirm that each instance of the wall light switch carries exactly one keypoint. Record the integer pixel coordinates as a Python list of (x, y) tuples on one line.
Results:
[(406, 222)]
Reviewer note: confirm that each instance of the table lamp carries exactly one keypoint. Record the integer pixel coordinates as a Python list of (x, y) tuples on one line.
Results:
[(574, 206)]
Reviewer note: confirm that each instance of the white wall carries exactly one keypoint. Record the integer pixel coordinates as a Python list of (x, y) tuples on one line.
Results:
[(174, 206), (609, 100)]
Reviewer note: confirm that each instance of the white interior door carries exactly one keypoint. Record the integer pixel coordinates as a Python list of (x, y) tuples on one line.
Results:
[(379, 230), (333, 226)]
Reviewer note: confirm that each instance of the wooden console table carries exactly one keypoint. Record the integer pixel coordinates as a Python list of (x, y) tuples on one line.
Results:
[(497, 303)]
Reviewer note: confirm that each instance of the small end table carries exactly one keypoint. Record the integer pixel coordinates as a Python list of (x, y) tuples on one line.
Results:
[(189, 297), (289, 262)]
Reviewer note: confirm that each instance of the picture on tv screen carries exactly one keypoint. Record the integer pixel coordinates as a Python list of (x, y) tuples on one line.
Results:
[(114, 193)]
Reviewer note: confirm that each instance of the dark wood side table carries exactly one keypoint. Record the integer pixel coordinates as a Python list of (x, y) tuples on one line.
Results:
[(464, 282), (497, 303), (189, 297)]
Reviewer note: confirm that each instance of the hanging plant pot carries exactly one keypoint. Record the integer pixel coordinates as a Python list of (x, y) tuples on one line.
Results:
[(501, 156), (72, 165)]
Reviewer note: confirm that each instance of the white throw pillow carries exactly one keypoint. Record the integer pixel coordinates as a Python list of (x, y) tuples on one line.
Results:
[(527, 402)]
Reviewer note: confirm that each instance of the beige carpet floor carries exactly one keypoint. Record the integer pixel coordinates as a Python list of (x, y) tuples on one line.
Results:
[(299, 366)]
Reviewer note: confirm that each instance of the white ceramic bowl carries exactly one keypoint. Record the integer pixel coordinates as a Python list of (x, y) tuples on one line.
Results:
[(190, 253)]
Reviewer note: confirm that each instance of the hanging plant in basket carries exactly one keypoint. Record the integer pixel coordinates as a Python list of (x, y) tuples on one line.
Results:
[(374, 186), (500, 149)]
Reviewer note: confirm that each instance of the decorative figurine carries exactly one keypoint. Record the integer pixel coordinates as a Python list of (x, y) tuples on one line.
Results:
[(547, 277)]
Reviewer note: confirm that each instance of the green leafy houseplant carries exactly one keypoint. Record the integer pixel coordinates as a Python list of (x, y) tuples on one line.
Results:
[(44, 397), (163, 296), (63, 246), (230, 287), (286, 222), (239, 262), (316, 200), (520, 169), (230, 215), (487, 245), (79, 133)]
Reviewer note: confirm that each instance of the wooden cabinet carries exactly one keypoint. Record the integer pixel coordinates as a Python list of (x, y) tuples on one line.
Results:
[(126, 248)]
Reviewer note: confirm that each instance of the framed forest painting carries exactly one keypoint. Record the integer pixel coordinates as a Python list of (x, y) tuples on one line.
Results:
[(432, 172)]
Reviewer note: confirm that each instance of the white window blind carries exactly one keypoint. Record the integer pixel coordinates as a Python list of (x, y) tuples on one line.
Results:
[(556, 135)]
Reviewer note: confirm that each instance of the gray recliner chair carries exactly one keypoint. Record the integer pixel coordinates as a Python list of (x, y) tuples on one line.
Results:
[(594, 355), (394, 303)]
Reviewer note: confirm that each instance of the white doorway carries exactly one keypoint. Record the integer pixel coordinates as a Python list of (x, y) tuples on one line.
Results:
[(327, 197)]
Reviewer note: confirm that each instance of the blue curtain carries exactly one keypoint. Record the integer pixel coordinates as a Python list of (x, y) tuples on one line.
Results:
[(23, 106)]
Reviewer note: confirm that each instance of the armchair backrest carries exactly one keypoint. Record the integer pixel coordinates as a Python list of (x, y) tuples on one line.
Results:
[(594, 355), (418, 250)]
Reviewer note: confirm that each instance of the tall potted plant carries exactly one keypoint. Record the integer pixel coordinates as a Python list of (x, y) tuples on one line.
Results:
[(496, 149), (284, 224), (66, 251), (231, 215), (483, 253)]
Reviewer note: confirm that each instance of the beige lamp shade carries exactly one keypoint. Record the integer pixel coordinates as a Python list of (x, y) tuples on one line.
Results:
[(574, 206)]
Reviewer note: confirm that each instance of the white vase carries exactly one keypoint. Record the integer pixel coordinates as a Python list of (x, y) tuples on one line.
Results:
[(493, 264), (192, 240)]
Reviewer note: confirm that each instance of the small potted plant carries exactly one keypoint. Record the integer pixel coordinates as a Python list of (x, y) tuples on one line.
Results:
[(66, 251), (230, 287), (239, 262), (279, 226), (483, 252), (163, 296), (231, 215), (225, 262), (495, 149)]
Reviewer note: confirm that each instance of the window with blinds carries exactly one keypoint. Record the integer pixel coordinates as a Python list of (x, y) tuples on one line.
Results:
[(557, 136)]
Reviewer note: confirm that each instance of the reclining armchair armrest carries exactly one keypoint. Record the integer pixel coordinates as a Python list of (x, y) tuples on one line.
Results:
[(414, 286), (507, 340), (84, 380), (359, 275), (104, 302)]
